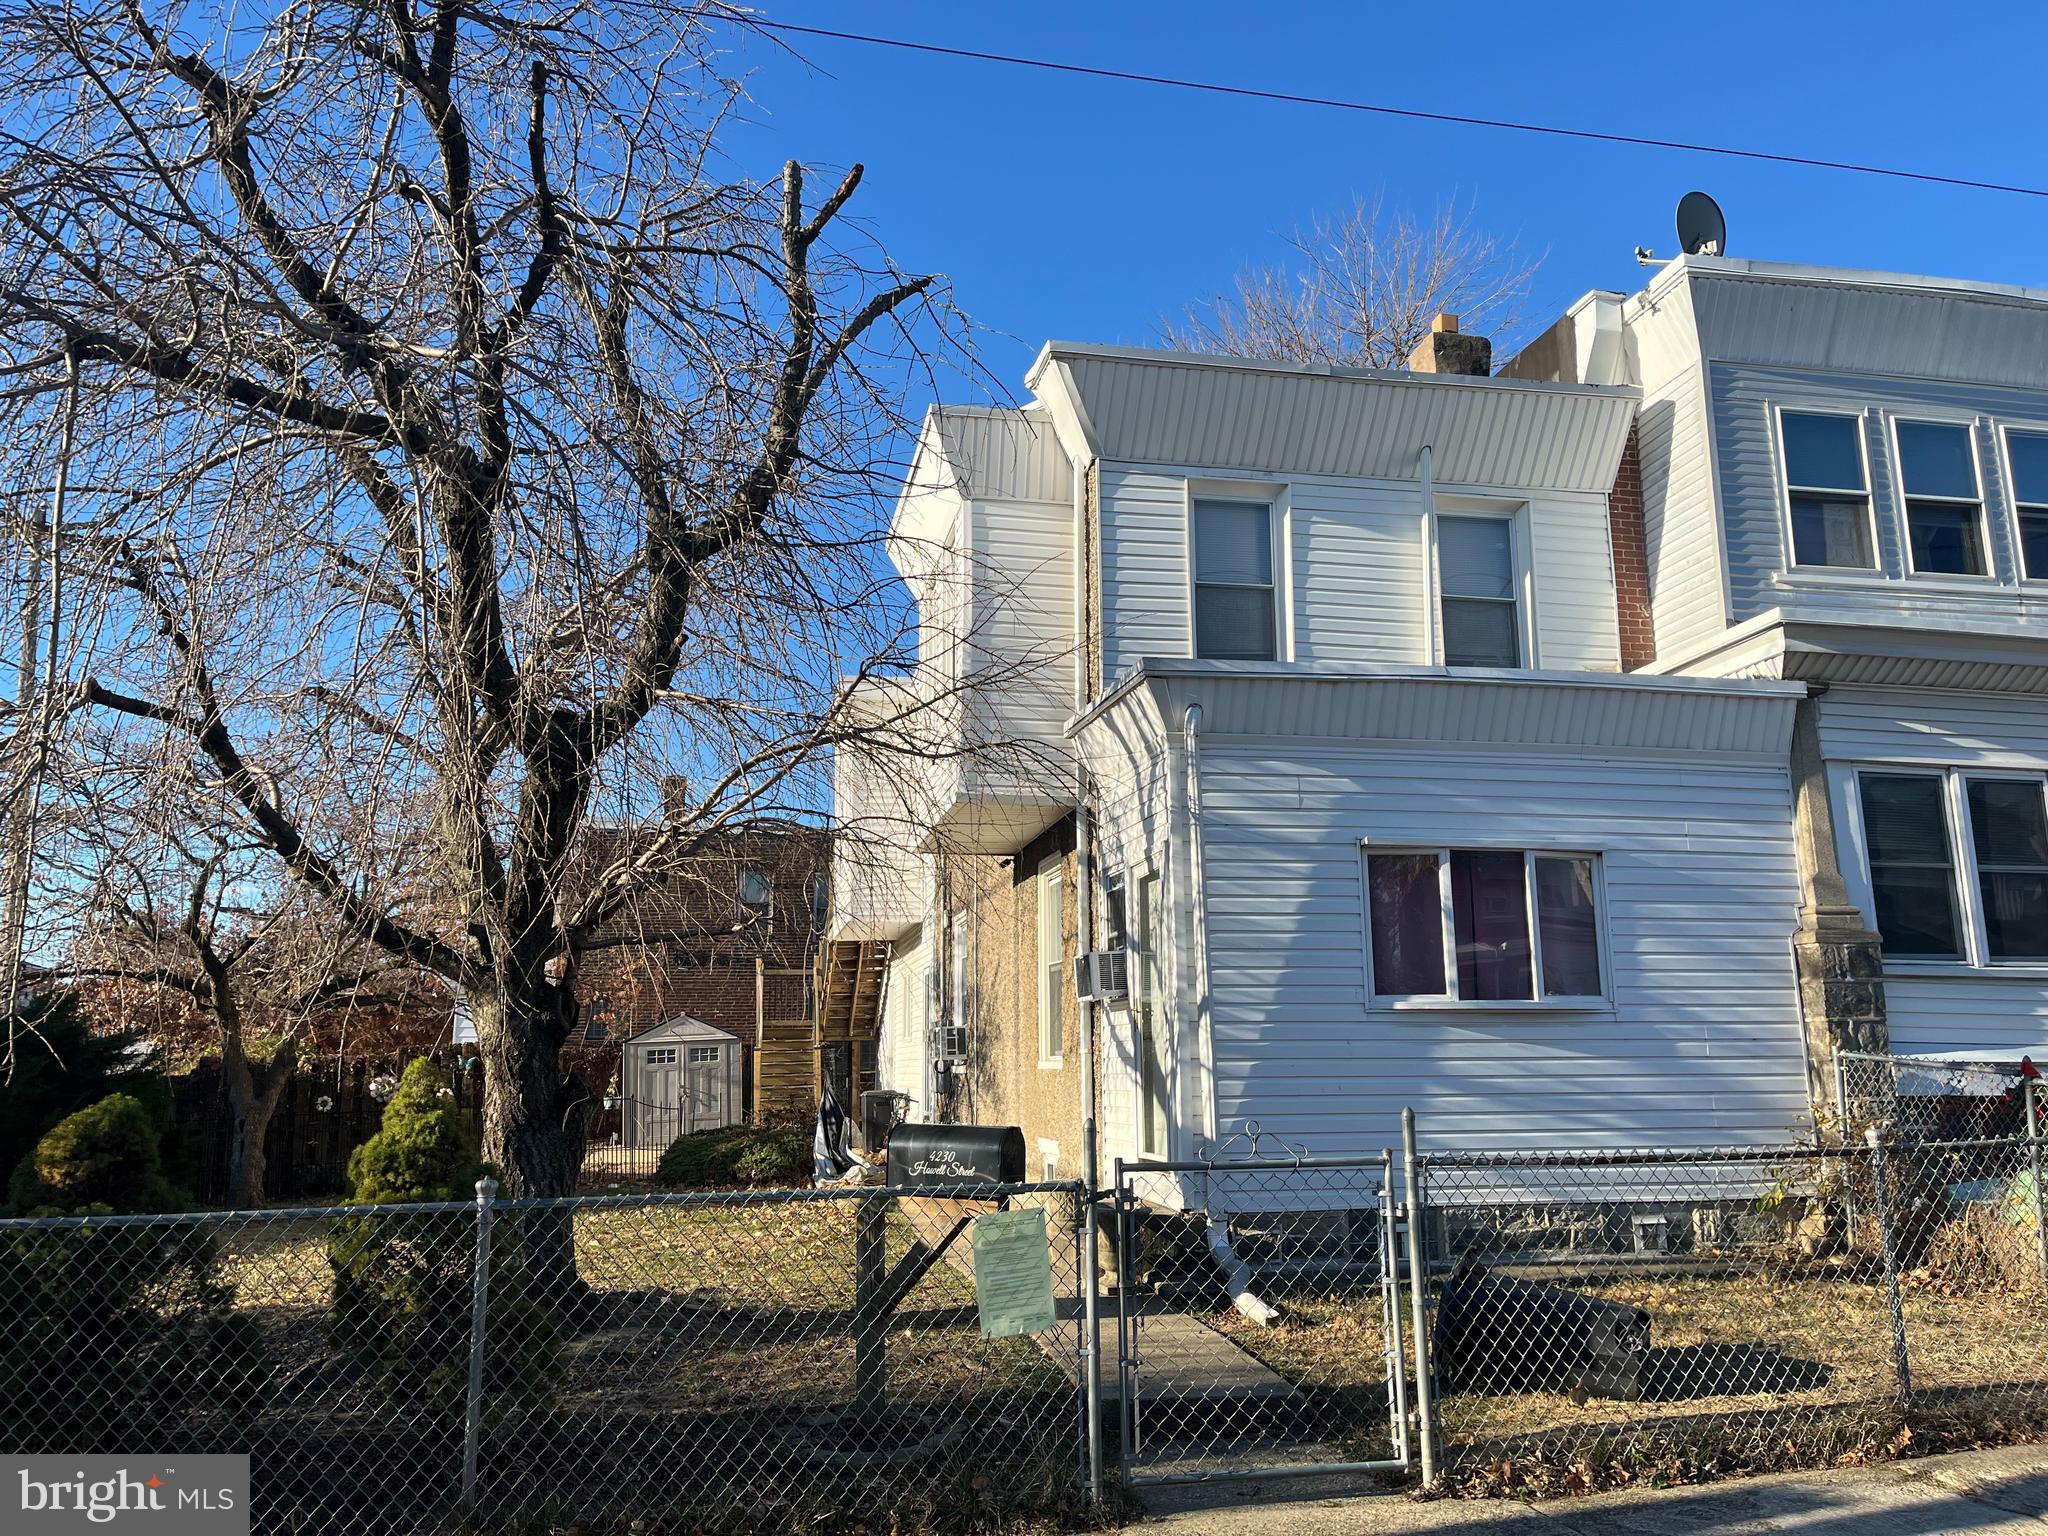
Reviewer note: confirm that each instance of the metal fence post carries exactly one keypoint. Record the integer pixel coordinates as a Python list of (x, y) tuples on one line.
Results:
[(2031, 1100), (479, 1303), (1090, 1275), (1418, 1298), (1887, 1239), (870, 1318)]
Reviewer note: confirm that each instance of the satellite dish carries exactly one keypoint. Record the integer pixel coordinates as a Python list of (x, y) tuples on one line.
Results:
[(1701, 229)]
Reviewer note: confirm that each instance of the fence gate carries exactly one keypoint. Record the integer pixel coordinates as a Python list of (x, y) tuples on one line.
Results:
[(1259, 1322)]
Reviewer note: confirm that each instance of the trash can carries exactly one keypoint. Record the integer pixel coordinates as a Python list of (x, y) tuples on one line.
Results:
[(881, 1111), (1501, 1334)]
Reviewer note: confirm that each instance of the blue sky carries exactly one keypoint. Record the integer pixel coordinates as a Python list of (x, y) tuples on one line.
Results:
[(1085, 209)]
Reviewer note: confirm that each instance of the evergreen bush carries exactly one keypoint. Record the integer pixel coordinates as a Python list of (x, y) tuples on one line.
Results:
[(402, 1283), (108, 1331), (737, 1154)]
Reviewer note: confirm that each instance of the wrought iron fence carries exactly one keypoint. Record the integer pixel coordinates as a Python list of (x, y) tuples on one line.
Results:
[(686, 1361)]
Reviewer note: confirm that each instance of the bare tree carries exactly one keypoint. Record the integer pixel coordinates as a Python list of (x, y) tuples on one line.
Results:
[(253, 961), (1362, 289), (452, 429)]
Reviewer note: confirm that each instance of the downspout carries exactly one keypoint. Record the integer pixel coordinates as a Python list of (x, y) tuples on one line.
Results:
[(1237, 1278), (1091, 1287), (1430, 654)]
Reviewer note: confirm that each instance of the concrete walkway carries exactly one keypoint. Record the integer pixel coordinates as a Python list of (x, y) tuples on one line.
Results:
[(2001, 1492)]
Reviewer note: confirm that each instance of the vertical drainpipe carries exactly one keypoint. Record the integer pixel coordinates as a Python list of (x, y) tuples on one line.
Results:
[(1429, 576), (1191, 729), (1084, 933)]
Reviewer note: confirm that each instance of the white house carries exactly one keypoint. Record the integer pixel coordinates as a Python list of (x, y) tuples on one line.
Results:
[(1846, 484), (1583, 754)]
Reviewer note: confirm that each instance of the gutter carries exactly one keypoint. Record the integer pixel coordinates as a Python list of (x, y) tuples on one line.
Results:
[(1237, 1279)]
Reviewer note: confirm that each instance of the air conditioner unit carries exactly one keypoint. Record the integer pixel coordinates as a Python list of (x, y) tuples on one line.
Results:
[(1103, 976)]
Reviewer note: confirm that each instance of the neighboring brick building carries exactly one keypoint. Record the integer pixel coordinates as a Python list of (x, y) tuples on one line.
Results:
[(728, 938)]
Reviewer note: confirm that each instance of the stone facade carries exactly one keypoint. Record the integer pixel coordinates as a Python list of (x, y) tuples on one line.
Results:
[(993, 905)]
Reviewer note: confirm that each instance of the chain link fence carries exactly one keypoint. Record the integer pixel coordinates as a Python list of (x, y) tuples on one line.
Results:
[(1926, 1098), (1260, 1326), (1607, 1317), (700, 1361)]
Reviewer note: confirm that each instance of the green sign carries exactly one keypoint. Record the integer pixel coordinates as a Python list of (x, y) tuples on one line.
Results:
[(1012, 1273)]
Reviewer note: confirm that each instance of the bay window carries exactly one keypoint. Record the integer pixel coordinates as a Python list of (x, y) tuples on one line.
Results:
[(1958, 864), (1484, 925)]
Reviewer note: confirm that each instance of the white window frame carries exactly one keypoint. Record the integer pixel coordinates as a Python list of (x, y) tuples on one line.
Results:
[(1521, 563), (951, 1044), (2015, 507), (1782, 473), (1279, 531), (1892, 421), (1975, 941), (1603, 1001), (1051, 881)]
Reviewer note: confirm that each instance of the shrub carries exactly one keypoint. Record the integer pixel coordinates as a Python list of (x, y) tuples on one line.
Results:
[(61, 1067), (737, 1154), (107, 1330), (402, 1284), (105, 1157)]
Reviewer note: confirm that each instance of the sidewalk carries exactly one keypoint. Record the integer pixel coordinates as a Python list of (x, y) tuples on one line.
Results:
[(2001, 1492)]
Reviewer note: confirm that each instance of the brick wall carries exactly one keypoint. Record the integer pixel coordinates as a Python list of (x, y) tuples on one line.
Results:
[(1631, 560)]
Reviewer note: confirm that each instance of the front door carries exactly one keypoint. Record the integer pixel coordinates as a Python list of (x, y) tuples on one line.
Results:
[(704, 1088)]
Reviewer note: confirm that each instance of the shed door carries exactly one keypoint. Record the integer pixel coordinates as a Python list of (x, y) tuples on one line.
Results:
[(705, 1086), (658, 1106)]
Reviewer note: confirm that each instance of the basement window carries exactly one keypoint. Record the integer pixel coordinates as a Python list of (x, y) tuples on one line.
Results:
[(1480, 925), (1826, 490), (1944, 508)]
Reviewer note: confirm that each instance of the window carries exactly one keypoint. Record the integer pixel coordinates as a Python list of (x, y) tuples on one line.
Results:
[(1456, 923), (1235, 613), (1826, 490), (1476, 570), (699, 1054), (1149, 1010), (1938, 897), (661, 1056), (1944, 510), (1051, 954), (2009, 840), (2028, 453)]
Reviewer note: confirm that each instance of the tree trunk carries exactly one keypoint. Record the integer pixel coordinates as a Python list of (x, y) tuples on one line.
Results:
[(536, 1125), (253, 1090)]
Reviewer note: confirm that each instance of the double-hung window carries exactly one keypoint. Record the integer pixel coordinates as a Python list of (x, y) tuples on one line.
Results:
[(1482, 624), (1051, 955), (1944, 507), (1484, 925), (1981, 896), (2027, 452), (1236, 612), (1827, 491)]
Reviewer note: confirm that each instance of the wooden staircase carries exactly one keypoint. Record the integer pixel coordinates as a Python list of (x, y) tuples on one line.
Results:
[(850, 976), (785, 1070)]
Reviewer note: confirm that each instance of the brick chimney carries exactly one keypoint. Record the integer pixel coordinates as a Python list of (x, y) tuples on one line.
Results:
[(1447, 350)]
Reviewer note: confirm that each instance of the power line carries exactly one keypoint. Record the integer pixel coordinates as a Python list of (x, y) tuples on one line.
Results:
[(1414, 114)]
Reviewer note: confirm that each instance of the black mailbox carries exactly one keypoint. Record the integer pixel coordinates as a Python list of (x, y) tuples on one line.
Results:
[(956, 1154)]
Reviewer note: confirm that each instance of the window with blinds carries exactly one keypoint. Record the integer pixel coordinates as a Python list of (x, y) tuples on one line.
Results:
[(1236, 616), (1481, 620)]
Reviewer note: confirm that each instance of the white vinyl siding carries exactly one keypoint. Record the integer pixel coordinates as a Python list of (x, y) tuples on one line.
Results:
[(1936, 1006), (1698, 1044), (1357, 588)]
